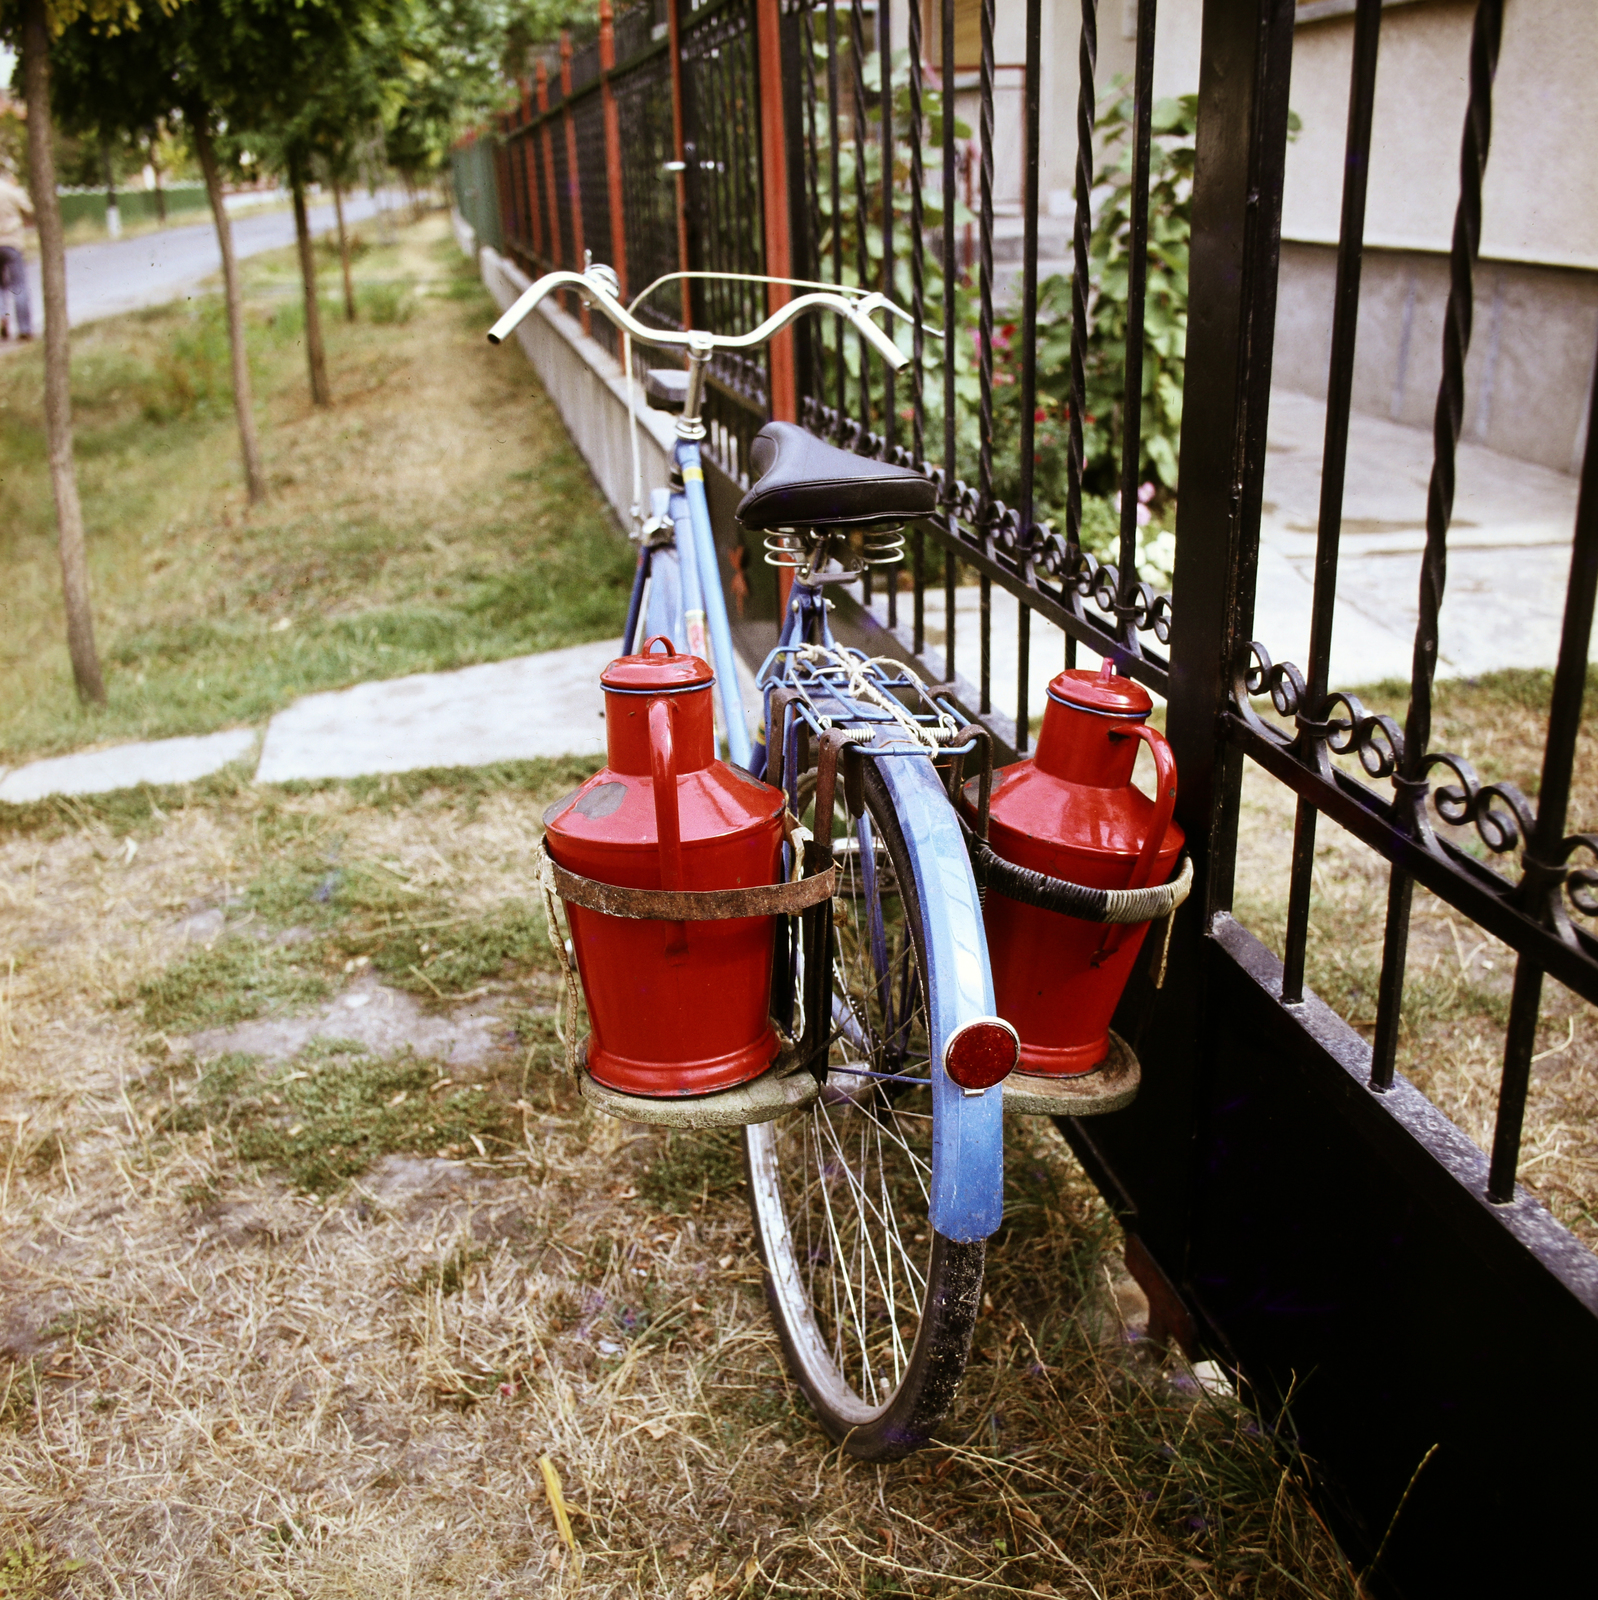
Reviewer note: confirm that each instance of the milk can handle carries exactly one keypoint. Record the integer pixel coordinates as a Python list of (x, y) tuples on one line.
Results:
[(1164, 797), (663, 770), (1164, 804), (668, 825)]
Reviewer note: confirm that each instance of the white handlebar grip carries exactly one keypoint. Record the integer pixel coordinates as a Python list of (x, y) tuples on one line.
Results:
[(507, 323), (883, 345)]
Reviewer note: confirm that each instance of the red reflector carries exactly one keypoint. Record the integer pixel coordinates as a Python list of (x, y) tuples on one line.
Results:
[(982, 1053)]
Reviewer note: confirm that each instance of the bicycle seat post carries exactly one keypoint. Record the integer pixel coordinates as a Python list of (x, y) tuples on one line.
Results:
[(689, 424)]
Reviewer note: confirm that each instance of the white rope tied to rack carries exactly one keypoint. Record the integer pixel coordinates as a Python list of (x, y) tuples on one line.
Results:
[(859, 686)]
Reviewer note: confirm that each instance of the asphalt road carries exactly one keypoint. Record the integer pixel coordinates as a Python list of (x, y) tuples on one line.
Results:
[(104, 280)]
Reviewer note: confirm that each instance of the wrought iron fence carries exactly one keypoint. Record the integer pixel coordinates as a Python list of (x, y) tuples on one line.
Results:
[(747, 135)]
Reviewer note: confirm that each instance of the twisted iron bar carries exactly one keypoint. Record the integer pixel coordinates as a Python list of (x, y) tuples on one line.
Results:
[(918, 287), (807, 89), (857, 75), (995, 531), (985, 258), (1081, 233), (1449, 418)]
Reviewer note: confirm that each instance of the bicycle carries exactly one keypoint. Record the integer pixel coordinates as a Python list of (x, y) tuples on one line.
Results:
[(873, 1200)]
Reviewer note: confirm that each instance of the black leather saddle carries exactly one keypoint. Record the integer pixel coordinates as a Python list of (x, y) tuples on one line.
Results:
[(806, 483)]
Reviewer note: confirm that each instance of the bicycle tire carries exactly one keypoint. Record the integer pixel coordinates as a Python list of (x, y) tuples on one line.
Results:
[(843, 1296)]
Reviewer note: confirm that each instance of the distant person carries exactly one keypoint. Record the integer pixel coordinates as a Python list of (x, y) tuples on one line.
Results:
[(16, 214)]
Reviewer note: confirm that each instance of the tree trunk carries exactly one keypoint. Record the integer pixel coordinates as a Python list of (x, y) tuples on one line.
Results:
[(249, 446), (57, 356), (321, 394), (113, 212), (344, 252), (160, 193)]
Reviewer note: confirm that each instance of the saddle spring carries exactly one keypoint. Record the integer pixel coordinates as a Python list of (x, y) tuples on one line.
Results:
[(834, 555)]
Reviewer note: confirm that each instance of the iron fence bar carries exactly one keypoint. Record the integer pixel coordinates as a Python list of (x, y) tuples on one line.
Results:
[(835, 175), (985, 345), (889, 420), (1410, 780), (551, 190), (814, 342), (857, 83), (1334, 467), (574, 193), (918, 306), (1081, 233), (533, 191), (1029, 358), (951, 474), (1136, 295), (680, 156), (613, 167), (1548, 851)]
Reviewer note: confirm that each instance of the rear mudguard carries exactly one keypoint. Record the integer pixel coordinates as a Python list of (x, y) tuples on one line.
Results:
[(968, 1130)]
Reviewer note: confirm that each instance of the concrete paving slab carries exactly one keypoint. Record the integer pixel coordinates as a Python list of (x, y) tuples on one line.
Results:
[(125, 766), (541, 705)]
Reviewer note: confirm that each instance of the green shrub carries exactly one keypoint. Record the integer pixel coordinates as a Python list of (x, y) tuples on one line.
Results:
[(386, 302)]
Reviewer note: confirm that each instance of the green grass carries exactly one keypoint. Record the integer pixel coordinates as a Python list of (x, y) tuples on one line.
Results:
[(332, 1111), (693, 1167), (436, 516), (234, 980)]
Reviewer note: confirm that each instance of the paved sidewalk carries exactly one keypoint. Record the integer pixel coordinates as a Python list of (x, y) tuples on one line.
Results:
[(1509, 560), (1508, 563), (548, 704)]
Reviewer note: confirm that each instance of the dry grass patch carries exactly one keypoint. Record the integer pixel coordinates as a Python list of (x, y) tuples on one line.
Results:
[(304, 1319), (1458, 978)]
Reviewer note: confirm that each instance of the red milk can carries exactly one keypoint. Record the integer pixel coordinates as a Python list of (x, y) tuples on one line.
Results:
[(1072, 812), (676, 1008)]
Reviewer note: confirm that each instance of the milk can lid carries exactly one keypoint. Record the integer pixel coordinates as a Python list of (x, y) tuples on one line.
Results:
[(651, 672), (1102, 691)]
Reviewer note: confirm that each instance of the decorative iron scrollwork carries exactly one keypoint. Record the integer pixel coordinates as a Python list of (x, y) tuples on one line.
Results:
[(1502, 815), (995, 531), (1581, 883), (1504, 819)]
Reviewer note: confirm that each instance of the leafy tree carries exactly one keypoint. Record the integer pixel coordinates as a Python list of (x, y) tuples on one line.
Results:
[(32, 25), (113, 83)]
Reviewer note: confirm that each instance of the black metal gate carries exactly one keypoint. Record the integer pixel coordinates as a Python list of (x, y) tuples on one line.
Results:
[(1291, 1202)]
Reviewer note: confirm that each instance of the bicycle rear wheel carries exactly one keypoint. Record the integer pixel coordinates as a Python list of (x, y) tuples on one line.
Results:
[(874, 1308)]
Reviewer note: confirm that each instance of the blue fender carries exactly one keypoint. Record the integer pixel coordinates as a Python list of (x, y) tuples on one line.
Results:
[(967, 1130)]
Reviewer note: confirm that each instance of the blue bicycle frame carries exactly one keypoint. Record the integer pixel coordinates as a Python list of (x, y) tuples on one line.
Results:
[(684, 594)]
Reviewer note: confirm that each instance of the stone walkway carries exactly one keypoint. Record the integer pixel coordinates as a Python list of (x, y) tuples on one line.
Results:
[(548, 704), (1509, 561)]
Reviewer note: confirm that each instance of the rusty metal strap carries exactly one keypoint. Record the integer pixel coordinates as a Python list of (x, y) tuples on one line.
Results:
[(691, 905)]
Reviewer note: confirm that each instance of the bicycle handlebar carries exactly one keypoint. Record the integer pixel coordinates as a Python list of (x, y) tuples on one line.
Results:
[(597, 290)]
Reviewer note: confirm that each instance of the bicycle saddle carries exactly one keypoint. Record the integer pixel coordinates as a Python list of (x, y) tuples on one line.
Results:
[(805, 483)]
